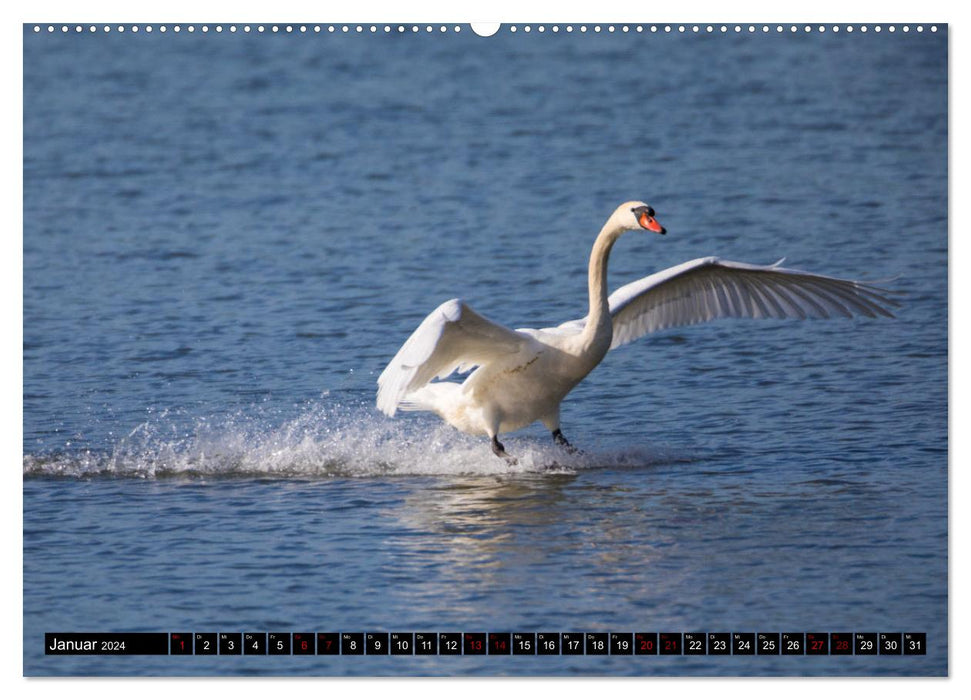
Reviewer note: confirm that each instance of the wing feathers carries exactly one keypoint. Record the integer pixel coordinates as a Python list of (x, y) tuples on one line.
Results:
[(455, 338), (708, 288), (452, 338)]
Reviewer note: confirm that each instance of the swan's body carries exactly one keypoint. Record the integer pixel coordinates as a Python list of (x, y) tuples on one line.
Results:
[(521, 376)]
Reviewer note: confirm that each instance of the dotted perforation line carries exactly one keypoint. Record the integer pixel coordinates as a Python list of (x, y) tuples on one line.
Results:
[(250, 28), (444, 29), (716, 28)]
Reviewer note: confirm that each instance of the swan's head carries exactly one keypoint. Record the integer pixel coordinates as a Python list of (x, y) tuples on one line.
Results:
[(631, 216)]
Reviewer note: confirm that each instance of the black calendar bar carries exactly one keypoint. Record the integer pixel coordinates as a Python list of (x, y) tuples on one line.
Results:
[(397, 644)]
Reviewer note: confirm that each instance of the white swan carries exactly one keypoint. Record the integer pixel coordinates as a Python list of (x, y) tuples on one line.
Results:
[(521, 376)]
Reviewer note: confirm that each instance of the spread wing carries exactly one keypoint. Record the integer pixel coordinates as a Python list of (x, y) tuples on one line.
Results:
[(709, 288), (452, 338)]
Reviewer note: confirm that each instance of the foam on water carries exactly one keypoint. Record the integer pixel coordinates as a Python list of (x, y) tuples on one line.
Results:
[(324, 440)]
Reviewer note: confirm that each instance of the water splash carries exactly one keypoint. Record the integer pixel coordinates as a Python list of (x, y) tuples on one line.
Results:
[(324, 440)]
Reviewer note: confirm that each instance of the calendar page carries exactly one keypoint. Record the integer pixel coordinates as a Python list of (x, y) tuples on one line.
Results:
[(525, 349)]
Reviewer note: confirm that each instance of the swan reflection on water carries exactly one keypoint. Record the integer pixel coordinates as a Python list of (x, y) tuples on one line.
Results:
[(477, 536)]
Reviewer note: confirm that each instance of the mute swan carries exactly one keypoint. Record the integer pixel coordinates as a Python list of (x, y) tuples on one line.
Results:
[(521, 376)]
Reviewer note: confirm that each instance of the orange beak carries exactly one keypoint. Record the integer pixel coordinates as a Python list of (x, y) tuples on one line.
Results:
[(651, 224)]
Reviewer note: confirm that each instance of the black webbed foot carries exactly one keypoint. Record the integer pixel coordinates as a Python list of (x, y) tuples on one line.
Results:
[(560, 440), (500, 451)]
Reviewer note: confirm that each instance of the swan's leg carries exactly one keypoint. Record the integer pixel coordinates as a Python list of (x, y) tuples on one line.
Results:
[(500, 451), (492, 421), (560, 440)]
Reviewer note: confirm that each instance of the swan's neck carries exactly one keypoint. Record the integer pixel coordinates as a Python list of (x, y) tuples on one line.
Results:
[(599, 329)]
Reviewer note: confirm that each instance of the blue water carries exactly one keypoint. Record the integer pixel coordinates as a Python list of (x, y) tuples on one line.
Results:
[(227, 237)]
